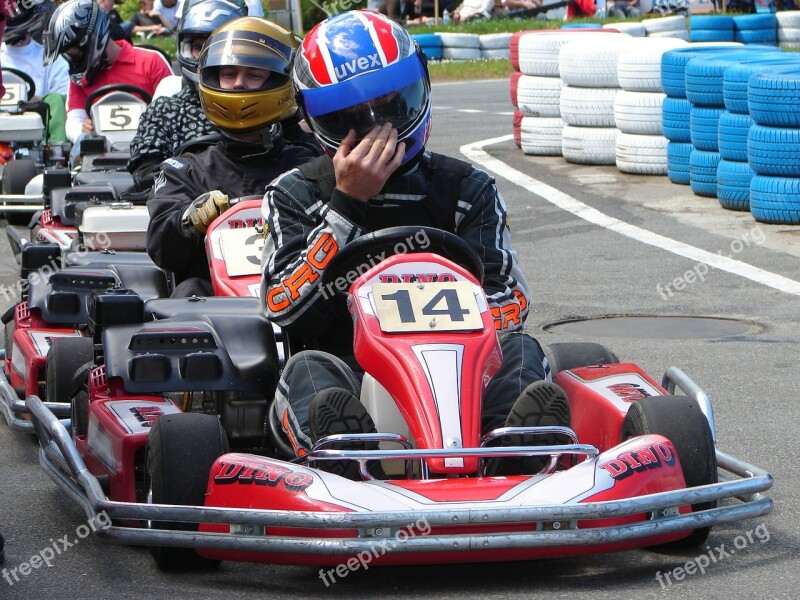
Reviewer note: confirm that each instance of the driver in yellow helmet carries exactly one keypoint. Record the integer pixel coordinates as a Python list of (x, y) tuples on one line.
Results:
[(245, 90)]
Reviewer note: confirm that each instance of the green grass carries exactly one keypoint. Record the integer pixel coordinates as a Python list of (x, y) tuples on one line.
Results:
[(459, 70)]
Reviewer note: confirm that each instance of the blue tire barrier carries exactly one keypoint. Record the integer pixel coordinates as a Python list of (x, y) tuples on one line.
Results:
[(704, 75), (673, 65), (703, 172), (733, 184), (734, 81), (678, 162), (582, 26), (758, 21), (775, 199), (774, 151), (704, 127), (711, 22), (757, 36), (711, 35), (431, 40), (773, 97), (733, 130), (675, 119)]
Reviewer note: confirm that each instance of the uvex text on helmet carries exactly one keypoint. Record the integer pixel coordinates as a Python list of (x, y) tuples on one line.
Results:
[(360, 69)]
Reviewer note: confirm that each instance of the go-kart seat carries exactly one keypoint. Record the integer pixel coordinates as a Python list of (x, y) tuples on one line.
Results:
[(121, 181), (220, 350), (105, 258), (62, 297), (191, 308), (106, 163), (64, 200)]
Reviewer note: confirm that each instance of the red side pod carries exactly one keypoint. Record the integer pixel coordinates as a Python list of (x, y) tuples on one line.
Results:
[(243, 215), (399, 361), (599, 399)]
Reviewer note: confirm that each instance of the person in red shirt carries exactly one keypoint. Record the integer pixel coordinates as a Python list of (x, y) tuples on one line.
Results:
[(580, 9), (79, 31)]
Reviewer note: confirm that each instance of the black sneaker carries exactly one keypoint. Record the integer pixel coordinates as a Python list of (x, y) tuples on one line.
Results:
[(334, 411), (541, 404)]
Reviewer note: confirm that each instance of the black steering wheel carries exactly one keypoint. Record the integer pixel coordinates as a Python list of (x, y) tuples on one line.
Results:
[(117, 87), (350, 260), (26, 78)]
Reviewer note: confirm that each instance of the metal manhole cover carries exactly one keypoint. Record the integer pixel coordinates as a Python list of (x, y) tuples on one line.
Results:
[(656, 327)]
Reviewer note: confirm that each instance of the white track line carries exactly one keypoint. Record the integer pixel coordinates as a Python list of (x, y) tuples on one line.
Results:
[(476, 153)]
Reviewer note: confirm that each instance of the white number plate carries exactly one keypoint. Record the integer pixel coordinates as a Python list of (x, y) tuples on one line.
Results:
[(14, 93), (414, 307), (119, 117), (241, 250)]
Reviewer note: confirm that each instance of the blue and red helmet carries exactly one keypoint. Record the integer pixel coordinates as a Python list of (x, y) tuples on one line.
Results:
[(359, 69)]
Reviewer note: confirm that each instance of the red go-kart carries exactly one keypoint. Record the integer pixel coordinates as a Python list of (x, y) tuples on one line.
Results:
[(637, 468)]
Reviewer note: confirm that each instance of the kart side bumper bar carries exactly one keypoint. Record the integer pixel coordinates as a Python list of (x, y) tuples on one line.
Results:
[(13, 408), (21, 202), (60, 458)]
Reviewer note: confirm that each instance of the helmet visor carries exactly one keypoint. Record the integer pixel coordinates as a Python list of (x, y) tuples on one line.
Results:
[(402, 108), (244, 49)]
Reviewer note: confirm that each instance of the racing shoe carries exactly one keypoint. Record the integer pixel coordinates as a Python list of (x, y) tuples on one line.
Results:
[(335, 411), (541, 404)]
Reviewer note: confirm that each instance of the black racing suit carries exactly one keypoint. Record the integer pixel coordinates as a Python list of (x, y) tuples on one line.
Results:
[(168, 122), (235, 168), (307, 216)]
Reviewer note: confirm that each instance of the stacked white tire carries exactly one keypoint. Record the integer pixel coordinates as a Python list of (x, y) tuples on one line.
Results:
[(669, 27), (788, 28), (495, 46)]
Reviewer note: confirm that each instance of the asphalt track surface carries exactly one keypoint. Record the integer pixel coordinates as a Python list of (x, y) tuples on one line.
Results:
[(593, 243)]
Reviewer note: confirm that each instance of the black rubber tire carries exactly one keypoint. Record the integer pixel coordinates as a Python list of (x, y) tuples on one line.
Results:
[(16, 175), (571, 355), (64, 358), (10, 328), (680, 420), (181, 449)]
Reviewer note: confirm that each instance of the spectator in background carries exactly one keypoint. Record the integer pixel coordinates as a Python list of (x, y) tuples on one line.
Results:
[(79, 32), (471, 10), (581, 8), (148, 21), (513, 7), (170, 11), (254, 8), (171, 121), (120, 30), (22, 52), (405, 12), (623, 9)]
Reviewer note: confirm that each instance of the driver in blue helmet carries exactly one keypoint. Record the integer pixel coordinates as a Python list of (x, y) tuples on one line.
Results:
[(363, 85)]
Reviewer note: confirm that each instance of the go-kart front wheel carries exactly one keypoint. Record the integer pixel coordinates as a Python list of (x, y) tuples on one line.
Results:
[(680, 420), (570, 355), (65, 357), (16, 175), (181, 450)]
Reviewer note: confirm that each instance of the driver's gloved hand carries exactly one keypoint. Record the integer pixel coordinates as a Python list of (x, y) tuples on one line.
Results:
[(204, 209)]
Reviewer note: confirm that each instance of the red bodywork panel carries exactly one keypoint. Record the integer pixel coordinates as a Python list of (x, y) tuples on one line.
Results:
[(52, 230), (244, 214)]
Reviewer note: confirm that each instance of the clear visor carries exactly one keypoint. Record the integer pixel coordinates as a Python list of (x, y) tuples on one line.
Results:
[(234, 50), (401, 108)]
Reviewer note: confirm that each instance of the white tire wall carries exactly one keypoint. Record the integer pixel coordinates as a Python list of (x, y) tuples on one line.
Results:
[(541, 136), (538, 52), (641, 154), (588, 107), (588, 63), (639, 67), (639, 112), (589, 145), (539, 96)]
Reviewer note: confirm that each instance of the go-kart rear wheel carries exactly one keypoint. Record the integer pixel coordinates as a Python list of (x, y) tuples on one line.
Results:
[(181, 450), (571, 355), (680, 420), (65, 357), (16, 175)]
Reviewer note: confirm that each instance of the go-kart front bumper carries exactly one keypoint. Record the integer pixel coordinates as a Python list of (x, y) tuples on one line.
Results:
[(468, 531)]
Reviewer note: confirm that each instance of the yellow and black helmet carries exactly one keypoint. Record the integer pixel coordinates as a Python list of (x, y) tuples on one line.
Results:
[(248, 42)]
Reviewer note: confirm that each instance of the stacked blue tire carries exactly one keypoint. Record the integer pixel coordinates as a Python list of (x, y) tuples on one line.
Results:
[(734, 174), (773, 145), (756, 29), (430, 44), (675, 109), (711, 28)]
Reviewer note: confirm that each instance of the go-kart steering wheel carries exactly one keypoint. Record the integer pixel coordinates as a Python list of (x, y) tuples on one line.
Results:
[(26, 78), (117, 87), (394, 240)]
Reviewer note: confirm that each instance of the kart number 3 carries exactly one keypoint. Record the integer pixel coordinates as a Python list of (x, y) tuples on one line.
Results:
[(417, 307)]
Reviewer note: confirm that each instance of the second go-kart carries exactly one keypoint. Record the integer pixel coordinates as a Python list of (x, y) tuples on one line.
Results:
[(637, 468)]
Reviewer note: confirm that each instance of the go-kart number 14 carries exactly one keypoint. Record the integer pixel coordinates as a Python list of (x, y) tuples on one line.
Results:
[(433, 306)]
